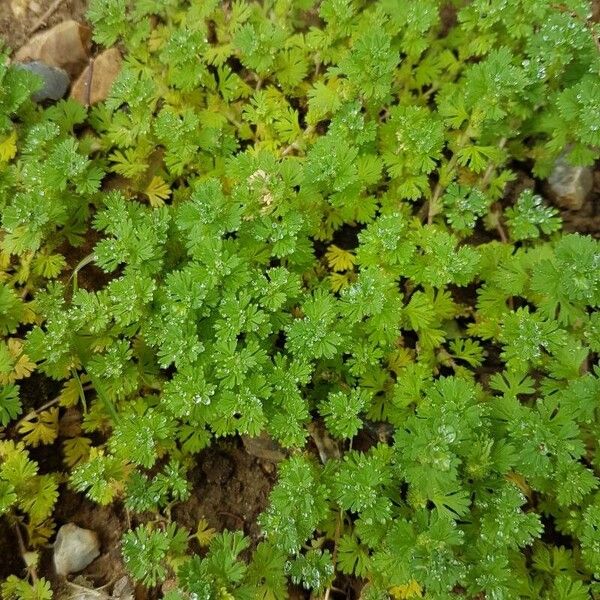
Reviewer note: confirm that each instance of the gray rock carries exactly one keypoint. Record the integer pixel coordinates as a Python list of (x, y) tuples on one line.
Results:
[(123, 589), (85, 594), (75, 548), (263, 447), (569, 185), (56, 81)]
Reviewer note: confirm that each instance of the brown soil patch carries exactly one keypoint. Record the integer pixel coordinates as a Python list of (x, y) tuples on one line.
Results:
[(109, 522), (230, 489), (14, 30), (11, 562)]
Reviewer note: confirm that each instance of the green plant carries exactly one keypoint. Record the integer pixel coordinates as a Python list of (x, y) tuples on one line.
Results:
[(27, 501), (301, 215)]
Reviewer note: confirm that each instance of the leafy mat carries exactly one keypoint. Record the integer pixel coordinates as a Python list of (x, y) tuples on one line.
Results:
[(291, 216)]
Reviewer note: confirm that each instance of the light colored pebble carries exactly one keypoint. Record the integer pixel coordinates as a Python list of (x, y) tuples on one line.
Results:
[(75, 548)]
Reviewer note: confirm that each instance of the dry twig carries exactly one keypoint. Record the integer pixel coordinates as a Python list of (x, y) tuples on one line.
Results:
[(44, 18), (23, 551)]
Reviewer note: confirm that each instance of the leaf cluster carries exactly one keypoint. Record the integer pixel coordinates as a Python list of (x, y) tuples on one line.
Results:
[(289, 218)]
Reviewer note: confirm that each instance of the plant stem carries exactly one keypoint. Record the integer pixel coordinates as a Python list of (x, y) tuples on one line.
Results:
[(23, 550), (501, 232), (108, 403), (90, 77), (432, 207), (491, 167), (35, 411), (336, 537), (296, 145), (82, 263), (45, 406)]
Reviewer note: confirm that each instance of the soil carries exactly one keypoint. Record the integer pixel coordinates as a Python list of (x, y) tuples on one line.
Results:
[(231, 489), (10, 561), (89, 277), (109, 522), (15, 29)]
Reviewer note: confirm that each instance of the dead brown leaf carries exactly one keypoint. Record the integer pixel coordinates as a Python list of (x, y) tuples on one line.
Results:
[(93, 85)]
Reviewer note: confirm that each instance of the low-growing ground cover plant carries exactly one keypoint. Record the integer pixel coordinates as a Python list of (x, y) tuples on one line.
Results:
[(297, 213)]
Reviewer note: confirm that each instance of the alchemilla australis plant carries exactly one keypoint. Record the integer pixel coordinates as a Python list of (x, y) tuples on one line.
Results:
[(300, 211)]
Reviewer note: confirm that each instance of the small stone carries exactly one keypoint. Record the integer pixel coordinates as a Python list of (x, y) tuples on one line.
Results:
[(267, 466), (18, 8), (65, 45), (34, 7), (90, 594), (263, 447), (69, 425), (94, 84), (74, 549), (168, 586), (569, 185), (56, 81), (123, 589), (85, 591)]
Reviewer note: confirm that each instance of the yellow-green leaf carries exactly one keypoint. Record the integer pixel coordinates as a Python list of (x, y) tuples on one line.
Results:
[(40, 428), (157, 191), (204, 534), (69, 395), (8, 147), (76, 450), (339, 259)]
